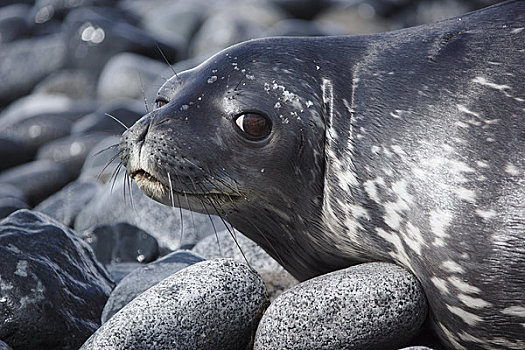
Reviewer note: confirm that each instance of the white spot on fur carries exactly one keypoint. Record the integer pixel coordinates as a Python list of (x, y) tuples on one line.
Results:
[(399, 254), (516, 30), (464, 109), (451, 337), (485, 82), (452, 266), (485, 214), (467, 317), (398, 150), (481, 164), (463, 286), (518, 311), (511, 169), (465, 194), (439, 223), (440, 284), (474, 303)]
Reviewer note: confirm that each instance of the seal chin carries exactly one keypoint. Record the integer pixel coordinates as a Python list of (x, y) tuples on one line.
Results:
[(150, 185)]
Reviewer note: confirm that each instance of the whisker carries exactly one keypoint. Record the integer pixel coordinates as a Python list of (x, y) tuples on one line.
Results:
[(106, 149), (143, 93), (107, 164), (118, 121), (167, 61), (180, 209)]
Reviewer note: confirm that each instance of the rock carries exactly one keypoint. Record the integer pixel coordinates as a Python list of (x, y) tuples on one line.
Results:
[(37, 179), (121, 242), (110, 206), (94, 35), (304, 9), (102, 161), (40, 104), (145, 277), (13, 23), (65, 204), (127, 111), (210, 305), (416, 348), (71, 151), (222, 245), (53, 289), (13, 152), (25, 62), (120, 270), (358, 18), (367, 306), (296, 27), (128, 75), (47, 10), (76, 84), (4, 346), (231, 25), (10, 191), (9, 205)]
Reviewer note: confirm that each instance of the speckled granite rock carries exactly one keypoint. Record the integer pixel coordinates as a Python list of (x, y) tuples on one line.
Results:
[(214, 304), (367, 306), (144, 277), (52, 288)]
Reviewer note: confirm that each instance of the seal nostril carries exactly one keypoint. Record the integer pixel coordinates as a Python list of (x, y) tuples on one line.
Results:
[(142, 135)]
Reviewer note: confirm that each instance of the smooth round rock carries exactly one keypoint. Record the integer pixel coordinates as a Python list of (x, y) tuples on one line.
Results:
[(53, 289), (222, 245), (214, 304), (13, 23), (367, 306), (13, 152), (71, 151), (121, 242), (24, 63), (65, 204), (73, 83), (9, 205), (112, 205), (37, 179), (145, 277), (120, 270)]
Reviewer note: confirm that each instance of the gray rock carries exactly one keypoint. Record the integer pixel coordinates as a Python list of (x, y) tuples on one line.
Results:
[(358, 18), (75, 84), (71, 151), (37, 180), (367, 306), (210, 305), (121, 242), (416, 348), (65, 204), (128, 75), (112, 205), (222, 245), (4, 346), (13, 23), (53, 289), (102, 161), (9, 205), (120, 270), (25, 62), (13, 152), (145, 277)]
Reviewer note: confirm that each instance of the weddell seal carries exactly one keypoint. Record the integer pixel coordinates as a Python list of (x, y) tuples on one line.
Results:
[(405, 147)]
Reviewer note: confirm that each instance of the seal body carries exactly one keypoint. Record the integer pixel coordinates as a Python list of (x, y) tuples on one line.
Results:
[(406, 147)]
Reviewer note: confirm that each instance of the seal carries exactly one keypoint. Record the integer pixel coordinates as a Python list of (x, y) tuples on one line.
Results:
[(405, 147)]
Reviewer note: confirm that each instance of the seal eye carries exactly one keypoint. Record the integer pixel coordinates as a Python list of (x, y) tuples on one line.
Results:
[(254, 126), (160, 102)]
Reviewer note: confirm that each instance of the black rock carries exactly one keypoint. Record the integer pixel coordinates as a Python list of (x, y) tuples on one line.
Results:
[(25, 62), (94, 36), (70, 151), (127, 111), (13, 152), (10, 205), (13, 22), (65, 205), (144, 277), (121, 242), (56, 288), (73, 83), (37, 180)]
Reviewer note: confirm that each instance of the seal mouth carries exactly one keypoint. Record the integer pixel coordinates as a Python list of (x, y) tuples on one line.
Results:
[(155, 188)]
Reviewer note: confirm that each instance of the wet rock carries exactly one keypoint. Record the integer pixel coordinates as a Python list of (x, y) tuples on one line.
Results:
[(4, 346), (37, 179), (65, 204), (367, 306), (13, 152), (53, 289), (145, 277), (13, 22), (9, 205), (128, 75), (71, 151), (210, 305), (110, 206), (120, 270), (127, 111), (102, 161), (93, 36), (24, 63), (75, 84), (222, 245), (121, 242)]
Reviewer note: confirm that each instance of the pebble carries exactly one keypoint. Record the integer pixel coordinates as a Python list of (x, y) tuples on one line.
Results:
[(65, 204), (121, 242), (73, 83), (222, 245), (37, 180), (112, 205), (213, 304), (367, 306), (48, 277), (13, 151), (145, 277)]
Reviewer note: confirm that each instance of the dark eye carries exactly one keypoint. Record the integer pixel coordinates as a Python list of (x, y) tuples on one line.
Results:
[(254, 126), (160, 101)]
